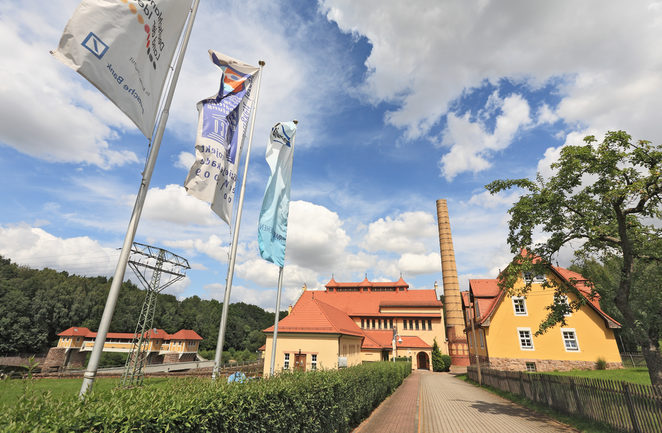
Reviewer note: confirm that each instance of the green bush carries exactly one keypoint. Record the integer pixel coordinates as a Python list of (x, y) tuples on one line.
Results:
[(320, 401), (437, 361), (601, 364), (447, 362)]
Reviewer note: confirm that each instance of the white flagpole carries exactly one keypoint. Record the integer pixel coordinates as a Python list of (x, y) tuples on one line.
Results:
[(235, 240), (273, 345), (113, 294)]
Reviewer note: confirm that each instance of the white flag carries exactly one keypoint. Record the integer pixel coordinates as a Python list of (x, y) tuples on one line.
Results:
[(222, 122), (125, 49)]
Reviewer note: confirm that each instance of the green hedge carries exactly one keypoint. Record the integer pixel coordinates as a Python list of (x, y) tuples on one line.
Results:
[(322, 401)]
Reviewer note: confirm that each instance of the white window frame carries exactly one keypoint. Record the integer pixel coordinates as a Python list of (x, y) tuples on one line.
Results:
[(565, 339), (523, 299), (519, 338), (481, 334), (313, 361), (286, 364), (564, 298), (540, 278)]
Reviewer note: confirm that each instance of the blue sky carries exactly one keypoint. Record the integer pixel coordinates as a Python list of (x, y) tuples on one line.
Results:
[(399, 104)]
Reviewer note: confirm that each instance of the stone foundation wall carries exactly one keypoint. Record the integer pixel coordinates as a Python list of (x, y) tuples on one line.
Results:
[(519, 364), (77, 359), (169, 358), (54, 359)]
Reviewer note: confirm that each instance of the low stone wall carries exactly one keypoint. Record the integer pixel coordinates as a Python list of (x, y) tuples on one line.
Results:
[(20, 360), (519, 364)]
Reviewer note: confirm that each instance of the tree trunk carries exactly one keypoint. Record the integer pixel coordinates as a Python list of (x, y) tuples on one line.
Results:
[(653, 359)]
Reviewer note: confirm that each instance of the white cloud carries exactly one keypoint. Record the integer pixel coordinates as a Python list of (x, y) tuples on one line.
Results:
[(406, 233), (173, 204), (417, 264), (490, 201), (604, 58), (35, 247), (315, 237), (213, 247), (185, 160), (472, 146), (51, 113)]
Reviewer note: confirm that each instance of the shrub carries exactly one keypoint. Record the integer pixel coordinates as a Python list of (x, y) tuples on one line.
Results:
[(319, 401), (447, 362), (601, 364), (437, 361)]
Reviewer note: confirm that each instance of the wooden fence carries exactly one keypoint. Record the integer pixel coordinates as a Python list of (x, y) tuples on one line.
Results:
[(625, 406), (633, 359)]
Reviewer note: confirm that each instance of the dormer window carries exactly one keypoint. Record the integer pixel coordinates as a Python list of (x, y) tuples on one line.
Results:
[(530, 277)]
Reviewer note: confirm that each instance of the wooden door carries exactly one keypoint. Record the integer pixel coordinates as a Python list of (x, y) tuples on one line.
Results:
[(300, 361)]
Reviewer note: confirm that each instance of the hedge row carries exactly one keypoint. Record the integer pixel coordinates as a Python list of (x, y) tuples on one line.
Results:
[(323, 401)]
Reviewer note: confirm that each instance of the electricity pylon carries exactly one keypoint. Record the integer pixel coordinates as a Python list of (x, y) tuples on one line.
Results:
[(145, 259)]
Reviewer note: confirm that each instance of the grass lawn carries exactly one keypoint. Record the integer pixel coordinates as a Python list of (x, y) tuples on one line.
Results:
[(632, 375), (12, 389)]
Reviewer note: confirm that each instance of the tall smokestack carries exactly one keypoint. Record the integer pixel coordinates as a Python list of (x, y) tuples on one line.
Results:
[(457, 341)]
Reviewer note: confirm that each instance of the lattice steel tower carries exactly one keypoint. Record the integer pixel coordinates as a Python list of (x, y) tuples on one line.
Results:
[(145, 259)]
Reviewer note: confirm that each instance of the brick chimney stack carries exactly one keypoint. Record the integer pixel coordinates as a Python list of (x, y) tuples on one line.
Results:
[(457, 340)]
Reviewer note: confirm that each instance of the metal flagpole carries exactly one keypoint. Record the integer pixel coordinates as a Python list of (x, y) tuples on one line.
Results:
[(118, 277), (273, 345), (235, 240)]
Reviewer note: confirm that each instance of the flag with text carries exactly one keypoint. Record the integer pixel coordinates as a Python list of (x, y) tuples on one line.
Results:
[(125, 49), (222, 122)]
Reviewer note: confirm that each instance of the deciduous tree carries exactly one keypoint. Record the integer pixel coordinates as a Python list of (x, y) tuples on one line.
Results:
[(606, 197)]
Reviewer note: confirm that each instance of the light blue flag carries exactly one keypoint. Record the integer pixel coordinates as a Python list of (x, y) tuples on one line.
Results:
[(272, 226)]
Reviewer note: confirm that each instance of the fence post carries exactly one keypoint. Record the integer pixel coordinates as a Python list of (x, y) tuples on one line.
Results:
[(521, 384), (580, 409), (628, 399)]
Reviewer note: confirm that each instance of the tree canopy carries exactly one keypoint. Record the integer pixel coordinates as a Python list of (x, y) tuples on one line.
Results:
[(604, 201), (36, 305)]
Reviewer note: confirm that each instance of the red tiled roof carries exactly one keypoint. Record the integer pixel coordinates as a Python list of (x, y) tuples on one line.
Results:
[(411, 303), (384, 340), (484, 288), (184, 334), (413, 342), (378, 339), (585, 287), (368, 303), (487, 295), (332, 284), (313, 315)]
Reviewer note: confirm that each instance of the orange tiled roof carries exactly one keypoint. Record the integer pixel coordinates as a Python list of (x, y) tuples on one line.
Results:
[(313, 315), (185, 334), (368, 303), (383, 339), (80, 331)]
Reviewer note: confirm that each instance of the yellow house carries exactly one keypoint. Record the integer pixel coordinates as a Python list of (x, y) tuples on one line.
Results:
[(350, 323), (505, 327), (75, 342)]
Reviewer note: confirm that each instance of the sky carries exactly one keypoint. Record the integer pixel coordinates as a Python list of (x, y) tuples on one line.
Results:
[(399, 104)]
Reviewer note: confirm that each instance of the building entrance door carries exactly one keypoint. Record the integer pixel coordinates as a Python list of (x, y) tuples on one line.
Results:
[(422, 359), (300, 361)]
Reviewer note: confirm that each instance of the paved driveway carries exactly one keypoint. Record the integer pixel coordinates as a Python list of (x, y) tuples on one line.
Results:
[(439, 403)]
